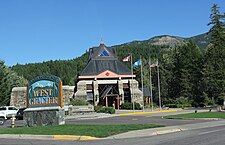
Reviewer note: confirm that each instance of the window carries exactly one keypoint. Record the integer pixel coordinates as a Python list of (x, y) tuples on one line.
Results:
[(12, 108), (2, 108), (104, 52)]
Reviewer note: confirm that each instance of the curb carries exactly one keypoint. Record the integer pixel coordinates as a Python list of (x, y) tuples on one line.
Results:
[(47, 137), (74, 137), (145, 133), (168, 131), (216, 119), (139, 113), (26, 136), (165, 130)]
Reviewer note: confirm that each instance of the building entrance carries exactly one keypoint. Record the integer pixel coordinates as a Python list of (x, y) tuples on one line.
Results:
[(109, 95)]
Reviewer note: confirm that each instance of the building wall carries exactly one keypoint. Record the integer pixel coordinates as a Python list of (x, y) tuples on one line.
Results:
[(18, 96), (82, 90)]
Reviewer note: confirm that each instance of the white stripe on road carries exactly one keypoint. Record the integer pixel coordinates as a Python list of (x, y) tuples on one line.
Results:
[(211, 131)]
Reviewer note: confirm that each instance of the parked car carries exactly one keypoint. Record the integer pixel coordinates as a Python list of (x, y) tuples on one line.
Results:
[(8, 111), (19, 114), (2, 120)]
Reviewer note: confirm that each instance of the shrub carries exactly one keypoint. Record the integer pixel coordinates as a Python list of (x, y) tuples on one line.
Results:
[(183, 105), (150, 105), (178, 105), (171, 105), (78, 102), (109, 110), (129, 106)]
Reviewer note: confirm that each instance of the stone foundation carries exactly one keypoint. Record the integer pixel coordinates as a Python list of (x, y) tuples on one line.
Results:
[(82, 90), (44, 116)]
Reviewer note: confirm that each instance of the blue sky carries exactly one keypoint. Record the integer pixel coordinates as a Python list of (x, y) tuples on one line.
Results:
[(41, 30)]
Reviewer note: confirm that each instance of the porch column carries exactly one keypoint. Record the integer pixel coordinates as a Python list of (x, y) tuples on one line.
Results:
[(95, 92), (120, 88), (118, 102), (147, 100), (106, 101)]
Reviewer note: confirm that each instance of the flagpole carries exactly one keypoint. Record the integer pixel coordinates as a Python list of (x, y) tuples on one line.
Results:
[(142, 86), (150, 81), (159, 87), (132, 94)]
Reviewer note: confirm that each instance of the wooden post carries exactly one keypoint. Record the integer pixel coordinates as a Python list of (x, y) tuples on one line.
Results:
[(27, 103), (60, 94), (106, 101)]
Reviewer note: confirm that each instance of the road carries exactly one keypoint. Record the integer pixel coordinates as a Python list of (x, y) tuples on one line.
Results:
[(137, 119), (206, 136), (154, 118)]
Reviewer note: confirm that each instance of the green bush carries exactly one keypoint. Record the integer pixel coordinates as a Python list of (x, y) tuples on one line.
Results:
[(180, 102), (110, 110), (183, 105), (149, 105), (78, 102), (178, 105), (104, 109), (171, 105), (129, 106)]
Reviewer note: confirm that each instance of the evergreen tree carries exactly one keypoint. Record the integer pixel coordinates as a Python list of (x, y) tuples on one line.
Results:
[(215, 56), (8, 80), (186, 72)]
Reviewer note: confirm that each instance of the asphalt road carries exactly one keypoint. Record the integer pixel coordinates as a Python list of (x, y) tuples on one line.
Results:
[(206, 136), (137, 119)]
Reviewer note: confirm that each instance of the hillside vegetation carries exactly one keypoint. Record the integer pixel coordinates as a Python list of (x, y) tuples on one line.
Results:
[(8, 80), (192, 70)]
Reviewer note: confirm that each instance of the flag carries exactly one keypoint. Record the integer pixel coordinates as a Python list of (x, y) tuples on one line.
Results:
[(155, 64), (126, 58), (137, 63)]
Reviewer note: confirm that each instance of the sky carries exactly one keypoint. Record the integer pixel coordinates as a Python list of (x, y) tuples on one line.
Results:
[(41, 30)]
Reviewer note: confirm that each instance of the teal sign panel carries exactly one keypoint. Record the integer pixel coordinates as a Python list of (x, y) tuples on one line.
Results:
[(44, 91)]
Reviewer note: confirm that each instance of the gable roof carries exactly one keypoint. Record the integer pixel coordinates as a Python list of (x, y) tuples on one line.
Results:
[(101, 52), (99, 63), (96, 67)]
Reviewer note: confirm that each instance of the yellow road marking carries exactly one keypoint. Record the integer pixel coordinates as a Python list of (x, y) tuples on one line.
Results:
[(148, 116), (186, 120), (74, 137)]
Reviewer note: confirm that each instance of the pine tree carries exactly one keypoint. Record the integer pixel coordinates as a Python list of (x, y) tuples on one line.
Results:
[(8, 80), (186, 72), (215, 56)]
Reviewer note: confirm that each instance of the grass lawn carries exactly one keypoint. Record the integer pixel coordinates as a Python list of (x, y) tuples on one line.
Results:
[(78, 129), (199, 115)]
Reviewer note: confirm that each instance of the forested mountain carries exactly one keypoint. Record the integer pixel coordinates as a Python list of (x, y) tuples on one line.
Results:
[(163, 48), (68, 70), (201, 40)]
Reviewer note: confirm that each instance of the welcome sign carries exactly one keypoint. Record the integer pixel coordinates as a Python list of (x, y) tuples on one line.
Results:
[(44, 91)]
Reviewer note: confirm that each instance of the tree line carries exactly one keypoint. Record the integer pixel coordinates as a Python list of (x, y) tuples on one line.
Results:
[(188, 75), (8, 80)]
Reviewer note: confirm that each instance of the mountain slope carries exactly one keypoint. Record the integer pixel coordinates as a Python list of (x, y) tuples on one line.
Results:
[(68, 70), (201, 40)]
